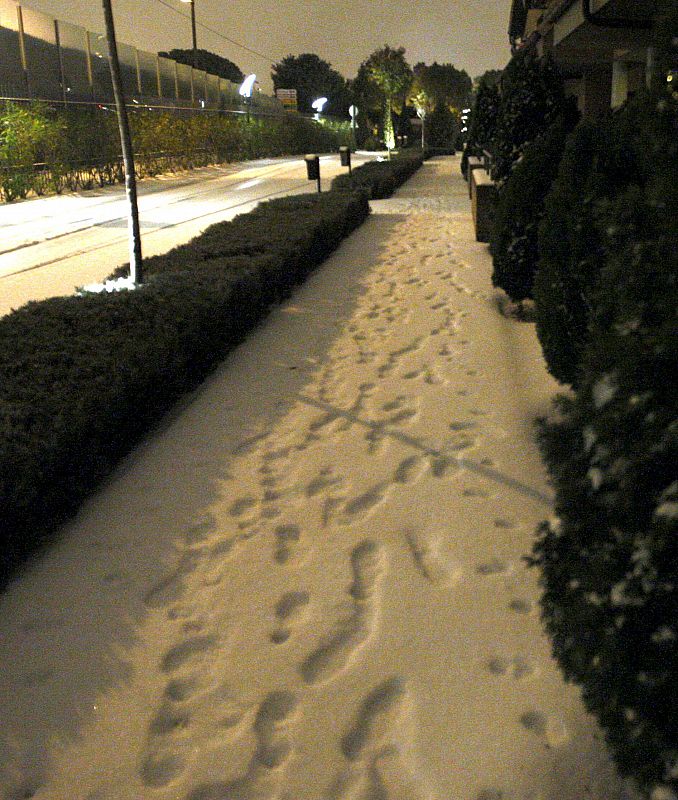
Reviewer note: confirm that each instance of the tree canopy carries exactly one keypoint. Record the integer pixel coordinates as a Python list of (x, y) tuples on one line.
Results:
[(210, 62), (389, 71), (441, 85), (312, 77)]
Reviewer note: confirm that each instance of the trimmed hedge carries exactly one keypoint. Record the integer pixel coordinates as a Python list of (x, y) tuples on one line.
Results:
[(380, 178), (600, 161), (483, 123), (520, 208), (83, 378), (532, 96), (610, 558)]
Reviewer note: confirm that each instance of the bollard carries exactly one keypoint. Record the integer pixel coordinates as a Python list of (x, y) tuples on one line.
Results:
[(313, 168), (345, 156)]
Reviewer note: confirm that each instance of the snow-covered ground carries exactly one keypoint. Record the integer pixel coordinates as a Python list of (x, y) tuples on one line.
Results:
[(308, 585)]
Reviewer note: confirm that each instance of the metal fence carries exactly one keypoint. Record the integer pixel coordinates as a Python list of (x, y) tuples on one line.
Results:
[(46, 59)]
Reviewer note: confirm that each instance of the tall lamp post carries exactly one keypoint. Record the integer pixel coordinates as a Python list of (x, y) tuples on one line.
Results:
[(195, 38), (126, 146)]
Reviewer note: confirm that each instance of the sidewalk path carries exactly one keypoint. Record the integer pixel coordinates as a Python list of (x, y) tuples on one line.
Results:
[(308, 584)]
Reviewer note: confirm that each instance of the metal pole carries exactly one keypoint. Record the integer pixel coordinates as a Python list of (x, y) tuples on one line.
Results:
[(195, 38), (126, 144)]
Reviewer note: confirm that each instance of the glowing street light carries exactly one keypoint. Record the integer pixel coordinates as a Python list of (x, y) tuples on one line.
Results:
[(195, 39), (318, 105), (245, 91), (246, 86)]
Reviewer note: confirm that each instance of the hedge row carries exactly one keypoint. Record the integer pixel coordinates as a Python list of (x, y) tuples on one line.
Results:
[(381, 178), (606, 295), (83, 377), (80, 148), (520, 209)]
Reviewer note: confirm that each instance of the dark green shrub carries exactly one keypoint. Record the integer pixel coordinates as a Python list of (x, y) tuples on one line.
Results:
[(81, 148), (83, 378), (610, 560), (441, 129), (380, 178), (532, 96), (599, 161), (520, 209), (483, 123)]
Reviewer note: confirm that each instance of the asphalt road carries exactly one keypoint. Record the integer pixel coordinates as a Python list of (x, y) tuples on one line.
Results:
[(51, 245)]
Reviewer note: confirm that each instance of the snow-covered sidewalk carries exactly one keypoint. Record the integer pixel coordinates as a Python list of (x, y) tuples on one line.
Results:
[(308, 584)]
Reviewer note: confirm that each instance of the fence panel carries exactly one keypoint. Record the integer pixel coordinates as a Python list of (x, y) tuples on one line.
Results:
[(127, 56), (148, 69), (184, 82), (199, 93), (75, 61), (12, 76), (168, 89), (42, 55), (212, 91), (101, 72)]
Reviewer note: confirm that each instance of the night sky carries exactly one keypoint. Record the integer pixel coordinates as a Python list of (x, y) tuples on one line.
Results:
[(471, 34)]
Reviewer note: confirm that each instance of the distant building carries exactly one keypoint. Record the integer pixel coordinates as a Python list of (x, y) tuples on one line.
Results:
[(603, 47)]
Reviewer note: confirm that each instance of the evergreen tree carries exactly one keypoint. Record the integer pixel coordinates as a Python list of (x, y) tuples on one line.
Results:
[(483, 122), (532, 97), (610, 561), (521, 206), (442, 126), (312, 77)]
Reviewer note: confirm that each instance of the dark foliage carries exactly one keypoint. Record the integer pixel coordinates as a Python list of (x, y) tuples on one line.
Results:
[(380, 178), (312, 77), (520, 209), (597, 164), (441, 129), (610, 559), (83, 378), (531, 98), (210, 62), (483, 122)]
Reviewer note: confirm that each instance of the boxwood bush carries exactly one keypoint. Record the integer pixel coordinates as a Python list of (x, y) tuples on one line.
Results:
[(483, 123), (380, 178), (520, 208), (532, 96), (610, 558), (83, 378), (600, 160)]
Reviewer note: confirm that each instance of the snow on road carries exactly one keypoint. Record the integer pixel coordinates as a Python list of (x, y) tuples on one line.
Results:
[(308, 584)]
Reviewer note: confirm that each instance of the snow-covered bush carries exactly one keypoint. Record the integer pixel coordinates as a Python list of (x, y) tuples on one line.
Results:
[(532, 96), (610, 558), (520, 209), (483, 122)]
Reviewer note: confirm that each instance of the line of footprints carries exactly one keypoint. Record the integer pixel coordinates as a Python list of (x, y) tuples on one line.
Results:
[(368, 746), (194, 700)]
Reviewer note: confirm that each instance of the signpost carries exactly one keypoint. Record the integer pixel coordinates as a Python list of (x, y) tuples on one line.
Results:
[(288, 98)]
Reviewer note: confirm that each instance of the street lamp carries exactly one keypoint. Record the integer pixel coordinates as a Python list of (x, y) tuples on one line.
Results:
[(245, 91), (195, 38), (318, 106), (421, 113)]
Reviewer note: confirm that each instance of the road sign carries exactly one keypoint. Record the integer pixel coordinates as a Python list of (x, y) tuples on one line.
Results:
[(288, 98)]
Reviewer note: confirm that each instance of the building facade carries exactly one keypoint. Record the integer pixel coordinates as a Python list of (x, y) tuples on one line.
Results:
[(603, 47)]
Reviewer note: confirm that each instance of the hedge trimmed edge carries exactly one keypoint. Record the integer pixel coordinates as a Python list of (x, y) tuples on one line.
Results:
[(82, 379), (381, 178)]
